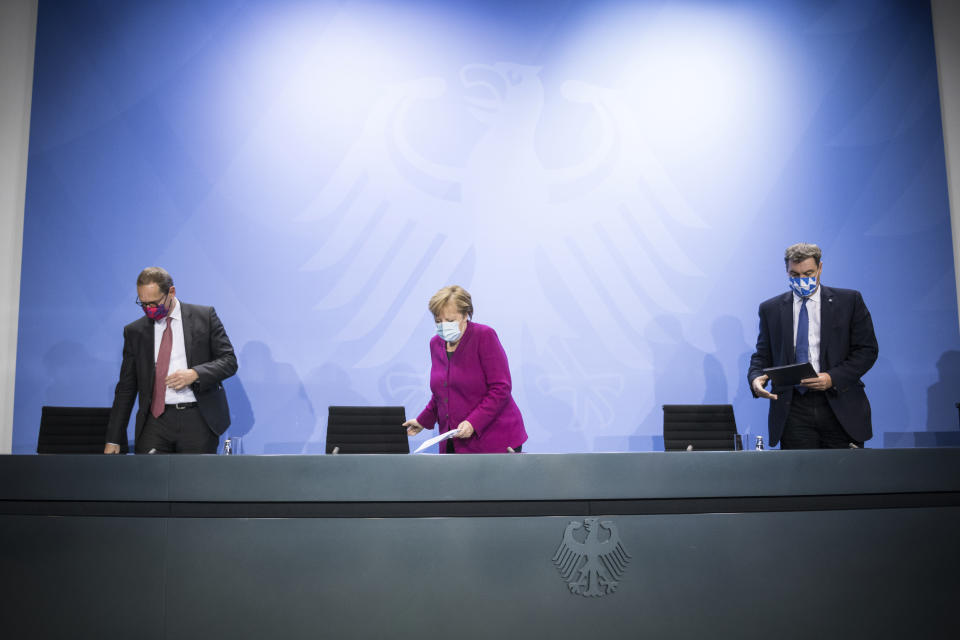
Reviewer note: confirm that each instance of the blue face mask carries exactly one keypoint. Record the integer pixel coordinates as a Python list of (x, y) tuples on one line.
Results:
[(803, 287), (449, 331)]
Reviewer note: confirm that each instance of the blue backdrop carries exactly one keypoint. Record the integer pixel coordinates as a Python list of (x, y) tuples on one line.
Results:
[(614, 182)]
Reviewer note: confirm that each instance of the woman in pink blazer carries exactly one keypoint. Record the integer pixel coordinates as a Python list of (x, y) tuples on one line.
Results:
[(470, 381)]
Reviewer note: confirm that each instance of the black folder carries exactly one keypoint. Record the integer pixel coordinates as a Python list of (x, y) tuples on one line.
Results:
[(790, 375)]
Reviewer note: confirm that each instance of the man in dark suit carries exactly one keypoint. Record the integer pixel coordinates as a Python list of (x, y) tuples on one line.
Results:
[(832, 330), (175, 359)]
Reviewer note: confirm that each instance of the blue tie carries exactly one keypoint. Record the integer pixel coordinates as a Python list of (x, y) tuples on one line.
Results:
[(803, 338)]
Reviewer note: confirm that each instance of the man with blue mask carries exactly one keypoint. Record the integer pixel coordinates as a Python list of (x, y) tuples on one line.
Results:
[(832, 330)]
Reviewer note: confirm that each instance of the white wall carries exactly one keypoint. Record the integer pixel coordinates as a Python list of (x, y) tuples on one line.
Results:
[(946, 27), (18, 28)]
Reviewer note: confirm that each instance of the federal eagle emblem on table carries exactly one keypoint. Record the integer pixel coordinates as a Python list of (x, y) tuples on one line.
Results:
[(591, 557)]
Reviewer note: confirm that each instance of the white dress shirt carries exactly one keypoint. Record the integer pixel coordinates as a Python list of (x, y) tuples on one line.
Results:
[(178, 354), (813, 315)]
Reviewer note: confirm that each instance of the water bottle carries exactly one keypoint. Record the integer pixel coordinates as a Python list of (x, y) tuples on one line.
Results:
[(227, 447), (759, 445)]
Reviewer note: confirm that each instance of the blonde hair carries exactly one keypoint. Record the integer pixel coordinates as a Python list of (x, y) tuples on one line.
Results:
[(459, 296)]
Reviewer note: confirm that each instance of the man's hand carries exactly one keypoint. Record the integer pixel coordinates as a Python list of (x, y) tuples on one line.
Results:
[(180, 379), (758, 388), (464, 430), (821, 383), (111, 448), (413, 427)]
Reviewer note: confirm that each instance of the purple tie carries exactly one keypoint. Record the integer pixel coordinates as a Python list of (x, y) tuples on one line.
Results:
[(163, 368)]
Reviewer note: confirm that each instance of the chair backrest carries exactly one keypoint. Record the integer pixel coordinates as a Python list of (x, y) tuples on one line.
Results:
[(367, 430), (74, 430), (708, 427)]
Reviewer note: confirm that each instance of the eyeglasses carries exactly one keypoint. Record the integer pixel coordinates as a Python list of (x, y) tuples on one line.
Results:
[(151, 305)]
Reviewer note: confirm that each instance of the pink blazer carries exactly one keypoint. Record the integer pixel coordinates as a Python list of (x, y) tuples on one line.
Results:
[(473, 384)]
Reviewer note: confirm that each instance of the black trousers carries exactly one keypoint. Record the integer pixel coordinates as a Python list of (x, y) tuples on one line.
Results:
[(811, 424), (177, 431)]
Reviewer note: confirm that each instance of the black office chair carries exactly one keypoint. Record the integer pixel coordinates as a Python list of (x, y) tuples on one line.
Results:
[(367, 430), (74, 430), (707, 427)]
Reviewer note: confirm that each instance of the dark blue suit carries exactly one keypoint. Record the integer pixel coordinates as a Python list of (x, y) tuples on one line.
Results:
[(848, 348)]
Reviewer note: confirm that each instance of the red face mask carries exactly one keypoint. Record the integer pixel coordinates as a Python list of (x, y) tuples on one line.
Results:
[(158, 312)]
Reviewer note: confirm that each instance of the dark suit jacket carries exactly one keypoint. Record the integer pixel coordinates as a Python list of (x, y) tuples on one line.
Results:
[(209, 353), (848, 348)]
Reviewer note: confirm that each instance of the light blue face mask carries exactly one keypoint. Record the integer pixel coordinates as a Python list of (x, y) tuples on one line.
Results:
[(803, 287), (449, 331)]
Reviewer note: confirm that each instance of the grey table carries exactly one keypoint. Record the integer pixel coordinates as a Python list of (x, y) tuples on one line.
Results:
[(711, 545)]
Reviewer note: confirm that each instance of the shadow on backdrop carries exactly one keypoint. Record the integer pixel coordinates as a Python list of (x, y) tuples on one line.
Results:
[(278, 400), (241, 411), (893, 421), (943, 423), (733, 351), (328, 384), (558, 398), (682, 378)]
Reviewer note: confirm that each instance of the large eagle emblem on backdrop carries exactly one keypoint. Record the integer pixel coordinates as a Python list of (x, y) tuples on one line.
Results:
[(591, 557), (599, 236)]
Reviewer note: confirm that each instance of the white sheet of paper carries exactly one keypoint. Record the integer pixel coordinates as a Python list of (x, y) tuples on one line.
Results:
[(434, 440)]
